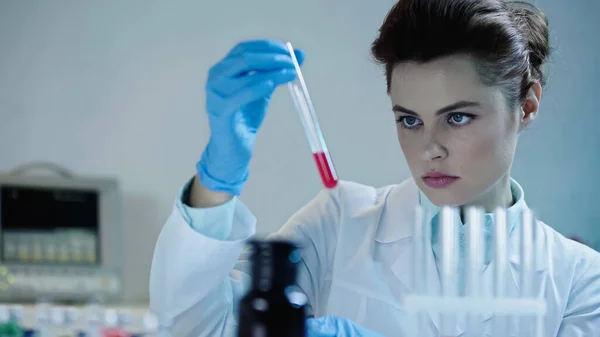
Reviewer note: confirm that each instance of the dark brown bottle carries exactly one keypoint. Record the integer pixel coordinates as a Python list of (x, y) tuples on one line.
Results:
[(274, 306)]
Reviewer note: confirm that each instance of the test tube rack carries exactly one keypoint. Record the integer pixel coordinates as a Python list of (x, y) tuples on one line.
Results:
[(526, 308)]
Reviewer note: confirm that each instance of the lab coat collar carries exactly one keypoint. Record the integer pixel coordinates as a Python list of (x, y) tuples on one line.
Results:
[(397, 209)]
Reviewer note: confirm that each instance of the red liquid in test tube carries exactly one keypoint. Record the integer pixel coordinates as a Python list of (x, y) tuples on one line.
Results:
[(114, 332), (326, 169)]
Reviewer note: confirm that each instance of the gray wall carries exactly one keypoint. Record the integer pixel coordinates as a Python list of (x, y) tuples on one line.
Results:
[(116, 88)]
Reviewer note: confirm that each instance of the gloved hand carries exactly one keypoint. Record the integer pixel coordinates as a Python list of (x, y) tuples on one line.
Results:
[(238, 91), (333, 326)]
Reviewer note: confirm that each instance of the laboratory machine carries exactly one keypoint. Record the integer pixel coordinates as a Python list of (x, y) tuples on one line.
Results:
[(60, 237)]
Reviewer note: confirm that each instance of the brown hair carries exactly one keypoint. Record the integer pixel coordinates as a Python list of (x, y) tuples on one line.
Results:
[(508, 40)]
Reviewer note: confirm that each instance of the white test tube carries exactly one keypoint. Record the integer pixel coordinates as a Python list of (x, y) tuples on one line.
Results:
[(526, 253), (17, 313), (150, 325), (537, 237), (475, 251), (155, 326), (58, 319), (427, 264), (449, 262), (425, 251), (500, 265), (43, 318), (71, 317), (526, 258), (4, 314), (418, 271), (94, 316), (124, 318), (417, 251), (111, 318)]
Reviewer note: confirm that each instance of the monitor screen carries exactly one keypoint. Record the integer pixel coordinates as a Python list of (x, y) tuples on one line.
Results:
[(49, 225)]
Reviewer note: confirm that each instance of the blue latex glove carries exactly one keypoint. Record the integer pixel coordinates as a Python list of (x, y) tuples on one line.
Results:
[(238, 91), (333, 326)]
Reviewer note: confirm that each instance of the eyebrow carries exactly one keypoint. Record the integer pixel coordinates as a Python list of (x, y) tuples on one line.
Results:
[(451, 107)]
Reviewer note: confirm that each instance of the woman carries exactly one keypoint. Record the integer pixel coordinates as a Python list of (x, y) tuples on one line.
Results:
[(465, 78)]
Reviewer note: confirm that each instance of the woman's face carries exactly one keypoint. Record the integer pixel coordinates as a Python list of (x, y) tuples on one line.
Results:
[(458, 135)]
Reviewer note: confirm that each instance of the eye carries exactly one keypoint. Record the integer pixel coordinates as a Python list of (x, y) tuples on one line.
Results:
[(460, 119), (408, 122)]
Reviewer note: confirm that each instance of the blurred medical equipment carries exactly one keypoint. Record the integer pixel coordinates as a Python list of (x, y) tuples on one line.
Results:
[(526, 309), (308, 116), (47, 320), (60, 236), (273, 306)]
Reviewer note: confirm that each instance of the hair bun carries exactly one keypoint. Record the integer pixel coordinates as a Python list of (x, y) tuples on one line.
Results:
[(533, 25)]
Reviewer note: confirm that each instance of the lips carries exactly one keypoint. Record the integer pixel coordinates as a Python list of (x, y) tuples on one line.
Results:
[(439, 179)]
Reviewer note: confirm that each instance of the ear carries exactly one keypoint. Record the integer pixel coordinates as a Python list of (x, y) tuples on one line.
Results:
[(531, 105)]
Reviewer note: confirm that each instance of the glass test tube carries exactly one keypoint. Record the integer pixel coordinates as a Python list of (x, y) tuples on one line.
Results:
[(150, 325), (418, 270), (312, 129), (537, 238), (94, 316), (528, 251), (474, 264), (4, 314), (500, 266), (526, 254), (449, 262), (43, 318)]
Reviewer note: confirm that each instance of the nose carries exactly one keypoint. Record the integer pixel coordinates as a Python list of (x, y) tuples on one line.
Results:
[(434, 150)]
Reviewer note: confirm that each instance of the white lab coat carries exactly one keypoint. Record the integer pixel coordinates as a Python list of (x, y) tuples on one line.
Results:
[(356, 264)]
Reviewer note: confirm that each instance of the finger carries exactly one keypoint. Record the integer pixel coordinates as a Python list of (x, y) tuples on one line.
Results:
[(259, 46), (266, 46), (226, 86), (249, 62), (251, 93)]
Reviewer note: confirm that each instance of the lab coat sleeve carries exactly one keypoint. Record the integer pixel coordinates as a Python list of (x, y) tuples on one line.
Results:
[(200, 273), (582, 314)]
